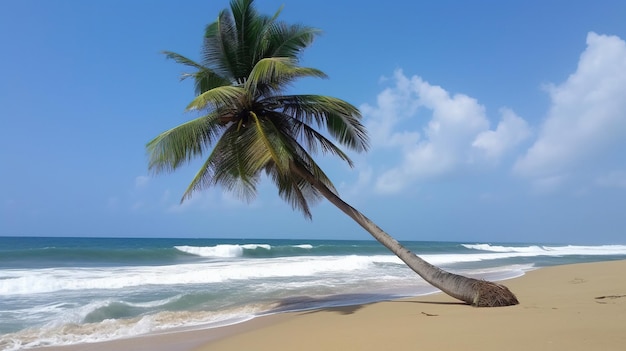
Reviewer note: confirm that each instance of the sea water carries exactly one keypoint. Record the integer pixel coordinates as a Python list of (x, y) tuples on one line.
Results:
[(61, 291)]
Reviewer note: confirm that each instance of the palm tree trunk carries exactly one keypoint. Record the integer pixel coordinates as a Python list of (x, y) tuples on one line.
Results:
[(479, 293)]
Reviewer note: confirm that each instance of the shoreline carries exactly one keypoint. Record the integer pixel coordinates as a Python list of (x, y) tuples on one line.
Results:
[(566, 307)]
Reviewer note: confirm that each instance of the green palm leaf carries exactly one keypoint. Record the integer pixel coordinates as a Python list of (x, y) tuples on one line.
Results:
[(248, 60), (340, 118), (220, 47), (313, 138), (229, 166), (220, 97), (183, 143), (273, 74), (204, 78), (289, 40)]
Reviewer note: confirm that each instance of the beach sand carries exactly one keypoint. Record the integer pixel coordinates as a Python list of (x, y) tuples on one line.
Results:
[(571, 307)]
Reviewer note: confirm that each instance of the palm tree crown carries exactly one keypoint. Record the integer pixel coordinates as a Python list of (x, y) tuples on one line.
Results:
[(248, 62), (250, 125)]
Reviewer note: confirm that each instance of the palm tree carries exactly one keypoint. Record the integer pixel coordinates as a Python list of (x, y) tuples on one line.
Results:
[(254, 128)]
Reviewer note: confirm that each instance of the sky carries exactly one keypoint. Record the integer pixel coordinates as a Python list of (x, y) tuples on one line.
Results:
[(489, 121)]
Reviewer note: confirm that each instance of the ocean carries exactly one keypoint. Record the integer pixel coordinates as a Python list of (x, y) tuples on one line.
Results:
[(61, 291)]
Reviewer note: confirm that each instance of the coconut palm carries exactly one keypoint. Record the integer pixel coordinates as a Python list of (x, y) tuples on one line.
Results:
[(250, 127)]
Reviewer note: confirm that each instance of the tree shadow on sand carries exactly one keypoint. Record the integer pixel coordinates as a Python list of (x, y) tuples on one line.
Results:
[(344, 304), (432, 302)]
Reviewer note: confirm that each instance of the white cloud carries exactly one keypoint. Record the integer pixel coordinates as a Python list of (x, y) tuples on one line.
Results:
[(457, 129), (393, 105), (587, 118), (511, 131)]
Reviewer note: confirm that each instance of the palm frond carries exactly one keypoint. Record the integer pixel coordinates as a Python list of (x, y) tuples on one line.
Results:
[(301, 133), (220, 47), (229, 96), (313, 138), (289, 40), (228, 166), (272, 143), (348, 130), (236, 41), (341, 119), (247, 62), (204, 78), (303, 160), (249, 26), (181, 144), (183, 60), (295, 191), (273, 74)]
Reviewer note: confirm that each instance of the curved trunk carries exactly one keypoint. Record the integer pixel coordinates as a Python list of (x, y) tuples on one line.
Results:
[(479, 293)]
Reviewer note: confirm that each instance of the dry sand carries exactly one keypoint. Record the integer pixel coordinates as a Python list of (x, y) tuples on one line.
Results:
[(572, 307)]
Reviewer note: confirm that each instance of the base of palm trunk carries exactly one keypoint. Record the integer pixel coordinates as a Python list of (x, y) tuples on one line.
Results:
[(489, 294)]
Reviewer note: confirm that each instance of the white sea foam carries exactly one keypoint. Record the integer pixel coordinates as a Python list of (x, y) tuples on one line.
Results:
[(535, 250), (256, 246), (153, 304), (110, 329), (48, 280), (32, 281), (304, 246), (223, 251)]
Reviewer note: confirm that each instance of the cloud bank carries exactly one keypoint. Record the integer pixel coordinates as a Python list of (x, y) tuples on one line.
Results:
[(456, 133), (436, 133), (587, 116)]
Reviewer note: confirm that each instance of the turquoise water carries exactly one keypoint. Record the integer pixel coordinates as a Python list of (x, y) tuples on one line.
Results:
[(57, 291)]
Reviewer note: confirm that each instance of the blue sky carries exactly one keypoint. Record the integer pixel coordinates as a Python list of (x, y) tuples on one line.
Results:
[(490, 121)]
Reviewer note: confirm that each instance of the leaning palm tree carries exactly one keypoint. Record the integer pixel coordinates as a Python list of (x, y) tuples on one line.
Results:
[(250, 127)]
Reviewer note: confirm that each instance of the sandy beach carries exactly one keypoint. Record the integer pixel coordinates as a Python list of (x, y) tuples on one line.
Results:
[(570, 307)]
